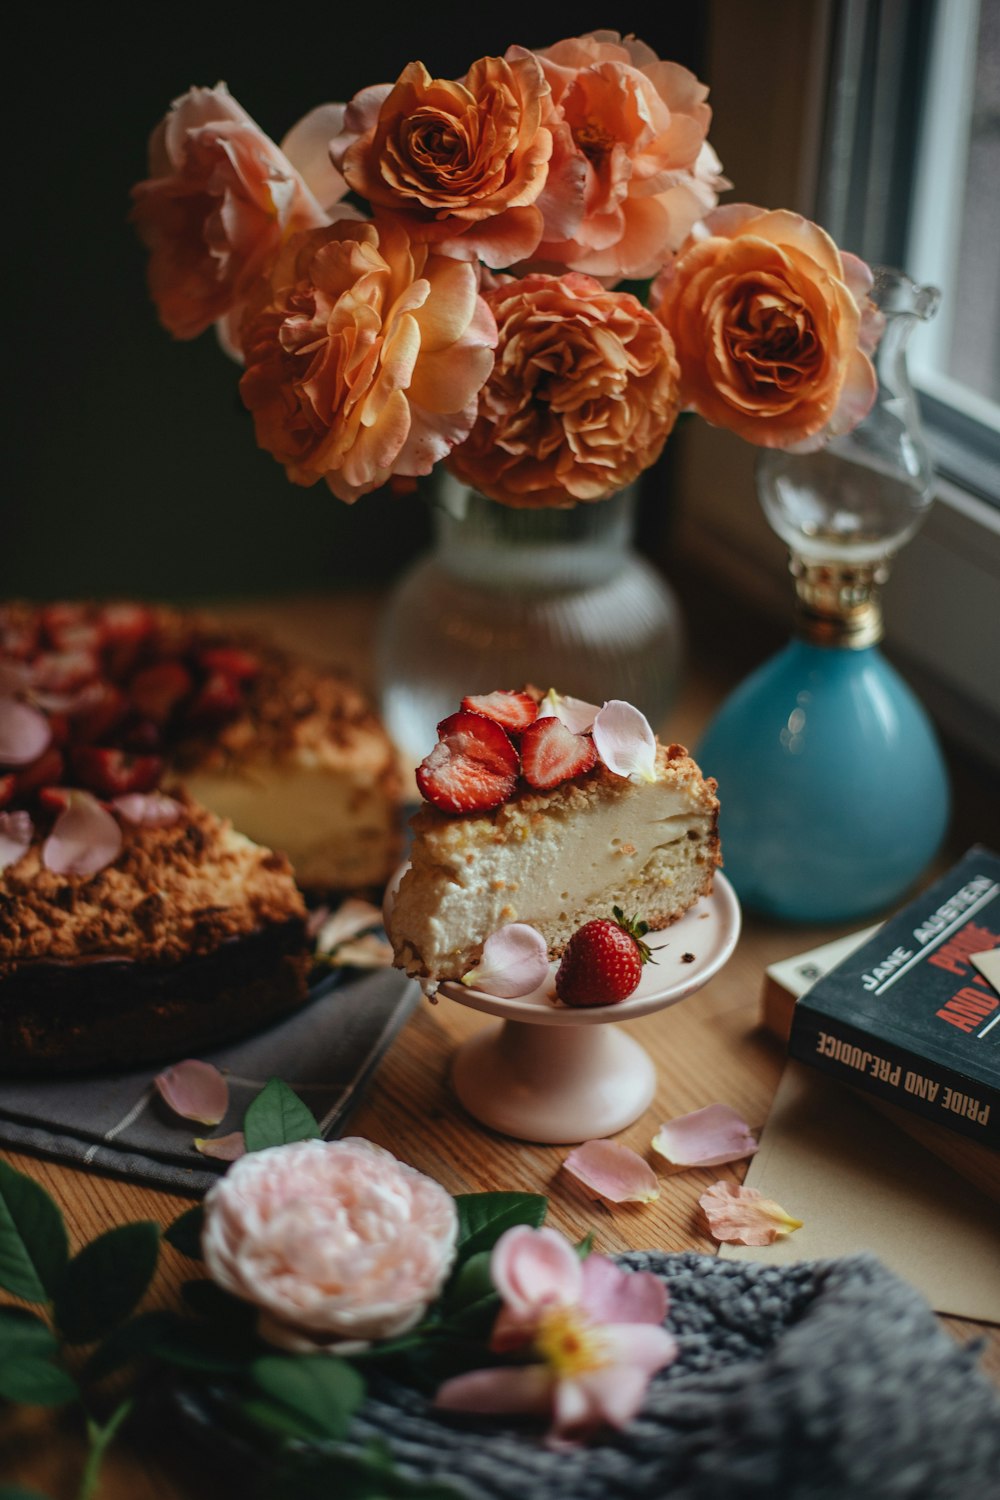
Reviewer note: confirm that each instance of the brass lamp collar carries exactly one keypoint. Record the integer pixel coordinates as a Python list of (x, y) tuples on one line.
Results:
[(838, 603)]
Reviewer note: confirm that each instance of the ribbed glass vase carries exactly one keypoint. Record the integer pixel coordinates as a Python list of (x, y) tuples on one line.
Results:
[(557, 598)]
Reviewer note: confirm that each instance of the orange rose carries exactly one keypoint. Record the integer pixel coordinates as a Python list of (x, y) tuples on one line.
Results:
[(364, 356), (462, 162), (770, 321), (582, 397), (631, 170), (218, 202)]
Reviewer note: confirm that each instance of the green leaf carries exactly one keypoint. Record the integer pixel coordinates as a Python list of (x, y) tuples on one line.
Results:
[(33, 1244), (207, 1300), (185, 1232), (100, 1439), (483, 1217), (276, 1117), (583, 1247), (23, 1334), (471, 1283), (36, 1382), (102, 1284), (317, 1389), (136, 1339)]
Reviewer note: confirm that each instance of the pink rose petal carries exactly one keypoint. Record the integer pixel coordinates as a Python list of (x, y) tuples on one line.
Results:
[(514, 962), (194, 1089), (707, 1137), (577, 715), (742, 1216), (148, 809), (24, 733), (351, 918), (16, 833), (625, 742), (613, 1172), (84, 839), (222, 1147)]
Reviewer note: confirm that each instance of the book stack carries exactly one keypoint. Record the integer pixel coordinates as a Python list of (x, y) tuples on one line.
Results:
[(906, 1013)]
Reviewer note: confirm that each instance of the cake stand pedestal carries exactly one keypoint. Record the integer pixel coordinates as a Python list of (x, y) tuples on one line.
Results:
[(559, 1074)]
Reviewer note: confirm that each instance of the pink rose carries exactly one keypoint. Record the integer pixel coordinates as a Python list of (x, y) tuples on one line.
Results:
[(336, 1242), (219, 201), (631, 171)]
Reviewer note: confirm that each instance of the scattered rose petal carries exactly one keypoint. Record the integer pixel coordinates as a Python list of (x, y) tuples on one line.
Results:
[(24, 733), (514, 962), (348, 920), (368, 952), (16, 832), (194, 1089), (742, 1216), (625, 742), (577, 715), (84, 839), (222, 1147), (148, 809), (614, 1172), (707, 1137)]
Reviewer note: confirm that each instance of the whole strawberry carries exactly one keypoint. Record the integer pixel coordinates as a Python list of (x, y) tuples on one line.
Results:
[(602, 964)]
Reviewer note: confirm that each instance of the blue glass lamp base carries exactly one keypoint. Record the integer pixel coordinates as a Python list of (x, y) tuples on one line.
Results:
[(833, 789)]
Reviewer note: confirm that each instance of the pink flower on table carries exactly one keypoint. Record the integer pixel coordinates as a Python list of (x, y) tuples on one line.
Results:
[(631, 171), (336, 1242), (594, 1330), (219, 201)]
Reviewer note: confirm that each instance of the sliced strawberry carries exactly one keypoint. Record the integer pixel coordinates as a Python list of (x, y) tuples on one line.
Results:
[(156, 691), (99, 710), (112, 773), (7, 786), (57, 618), (62, 671), (552, 754), (47, 769), (513, 711), (126, 622), (77, 635), (219, 698), (473, 766), (232, 661)]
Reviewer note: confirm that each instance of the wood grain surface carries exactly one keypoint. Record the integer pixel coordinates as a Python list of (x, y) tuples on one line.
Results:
[(709, 1047)]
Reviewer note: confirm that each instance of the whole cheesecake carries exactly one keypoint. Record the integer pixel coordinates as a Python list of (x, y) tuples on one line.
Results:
[(553, 856)]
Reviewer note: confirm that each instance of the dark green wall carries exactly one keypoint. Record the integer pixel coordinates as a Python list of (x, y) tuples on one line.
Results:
[(131, 466)]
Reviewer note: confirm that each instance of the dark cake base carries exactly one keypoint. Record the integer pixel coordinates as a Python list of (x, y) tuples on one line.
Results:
[(108, 1014)]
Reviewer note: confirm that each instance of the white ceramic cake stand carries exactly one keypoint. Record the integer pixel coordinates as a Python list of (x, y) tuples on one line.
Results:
[(554, 1073)]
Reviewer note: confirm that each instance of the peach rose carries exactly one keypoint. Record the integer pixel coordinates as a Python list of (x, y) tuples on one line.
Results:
[(631, 170), (218, 203), (462, 162), (336, 1242), (582, 397), (771, 323), (364, 356)]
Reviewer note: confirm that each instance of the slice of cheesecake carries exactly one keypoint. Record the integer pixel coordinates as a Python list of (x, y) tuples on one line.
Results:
[(555, 859)]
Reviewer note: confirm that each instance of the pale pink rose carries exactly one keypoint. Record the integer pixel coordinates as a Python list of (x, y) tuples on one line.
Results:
[(772, 326), (336, 1242), (219, 201), (631, 171), (365, 354), (596, 1333)]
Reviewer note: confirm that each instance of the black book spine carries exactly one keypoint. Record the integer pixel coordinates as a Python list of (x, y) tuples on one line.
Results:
[(896, 1074)]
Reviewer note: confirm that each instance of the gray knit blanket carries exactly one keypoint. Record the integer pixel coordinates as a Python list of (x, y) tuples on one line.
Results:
[(829, 1380)]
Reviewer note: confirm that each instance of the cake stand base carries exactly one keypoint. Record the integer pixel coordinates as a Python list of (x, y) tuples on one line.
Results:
[(554, 1084)]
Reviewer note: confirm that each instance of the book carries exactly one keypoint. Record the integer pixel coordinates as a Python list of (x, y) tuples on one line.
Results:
[(908, 1017)]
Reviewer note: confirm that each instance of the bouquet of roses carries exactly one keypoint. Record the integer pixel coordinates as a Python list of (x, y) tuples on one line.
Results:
[(472, 309)]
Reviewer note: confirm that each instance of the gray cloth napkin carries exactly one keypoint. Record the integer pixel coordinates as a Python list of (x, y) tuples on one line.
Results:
[(117, 1122), (827, 1380)]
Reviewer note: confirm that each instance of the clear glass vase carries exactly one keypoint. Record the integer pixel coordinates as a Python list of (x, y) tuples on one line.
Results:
[(557, 598), (833, 788)]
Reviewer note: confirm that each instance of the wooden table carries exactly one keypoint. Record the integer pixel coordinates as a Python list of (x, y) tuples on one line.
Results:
[(711, 1047)]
